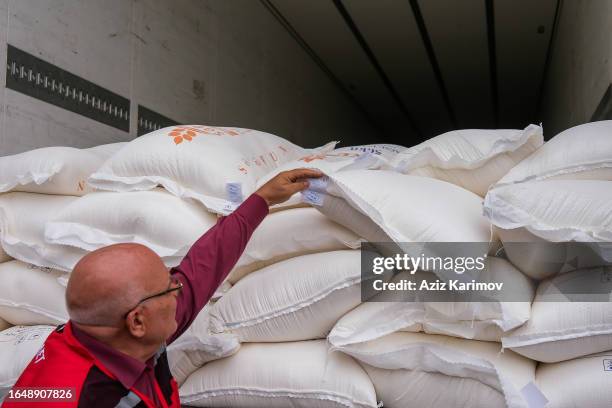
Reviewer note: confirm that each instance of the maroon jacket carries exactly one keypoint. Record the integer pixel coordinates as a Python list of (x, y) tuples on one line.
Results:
[(100, 376)]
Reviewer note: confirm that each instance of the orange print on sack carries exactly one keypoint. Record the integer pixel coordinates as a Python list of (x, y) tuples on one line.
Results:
[(312, 157), (183, 133)]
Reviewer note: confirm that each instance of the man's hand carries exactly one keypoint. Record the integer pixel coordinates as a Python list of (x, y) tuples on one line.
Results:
[(280, 188)]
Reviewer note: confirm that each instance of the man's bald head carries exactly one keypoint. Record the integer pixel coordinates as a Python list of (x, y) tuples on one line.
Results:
[(107, 282)]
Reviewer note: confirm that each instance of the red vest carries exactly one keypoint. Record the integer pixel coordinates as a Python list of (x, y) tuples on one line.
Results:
[(63, 362)]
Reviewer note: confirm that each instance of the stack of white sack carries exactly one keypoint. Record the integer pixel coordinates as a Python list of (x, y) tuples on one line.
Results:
[(66, 228), (298, 274), (297, 299), (282, 307), (561, 193), (552, 212), (169, 225), (300, 291), (37, 185), (422, 370), (472, 158), (384, 206), (296, 278), (292, 283)]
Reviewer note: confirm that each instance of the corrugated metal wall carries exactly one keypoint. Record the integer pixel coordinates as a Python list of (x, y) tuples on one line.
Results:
[(210, 62)]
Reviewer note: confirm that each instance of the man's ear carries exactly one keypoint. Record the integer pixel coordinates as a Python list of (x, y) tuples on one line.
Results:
[(136, 323)]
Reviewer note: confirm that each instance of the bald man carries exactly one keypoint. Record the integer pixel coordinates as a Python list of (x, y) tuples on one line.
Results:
[(125, 307)]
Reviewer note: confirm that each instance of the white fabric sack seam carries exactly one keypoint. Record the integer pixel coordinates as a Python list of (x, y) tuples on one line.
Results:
[(321, 395), (531, 223), (89, 238), (30, 176), (552, 336), (558, 172), (32, 308)]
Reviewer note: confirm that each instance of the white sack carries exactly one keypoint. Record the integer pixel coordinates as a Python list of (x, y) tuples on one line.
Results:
[(485, 320), (386, 153), (197, 346), (371, 157), (583, 152), (382, 315), (287, 234), (424, 389), (22, 229), (471, 158), (506, 373), (555, 211), (297, 374), (375, 156), (53, 170), (560, 329), (18, 345), (390, 312), (297, 299), (157, 219), (384, 206), (197, 162), (31, 295), (583, 382)]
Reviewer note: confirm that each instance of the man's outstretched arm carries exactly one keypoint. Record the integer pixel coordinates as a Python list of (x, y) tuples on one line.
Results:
[(214, 254)]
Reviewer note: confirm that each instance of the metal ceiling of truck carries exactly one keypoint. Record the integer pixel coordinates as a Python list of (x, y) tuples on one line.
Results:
[(418, 68)]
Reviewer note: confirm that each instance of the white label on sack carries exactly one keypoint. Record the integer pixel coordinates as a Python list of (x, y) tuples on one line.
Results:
[(229, 207), (533, 396), (607, 362), (318, 184), (312, 197), (234, 192), (364, 161)]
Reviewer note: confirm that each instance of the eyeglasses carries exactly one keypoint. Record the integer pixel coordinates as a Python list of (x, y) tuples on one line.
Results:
[(174, 285)]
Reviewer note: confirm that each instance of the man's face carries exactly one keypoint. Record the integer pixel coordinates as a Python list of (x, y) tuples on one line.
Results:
[(164, 311), (160, 311)]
